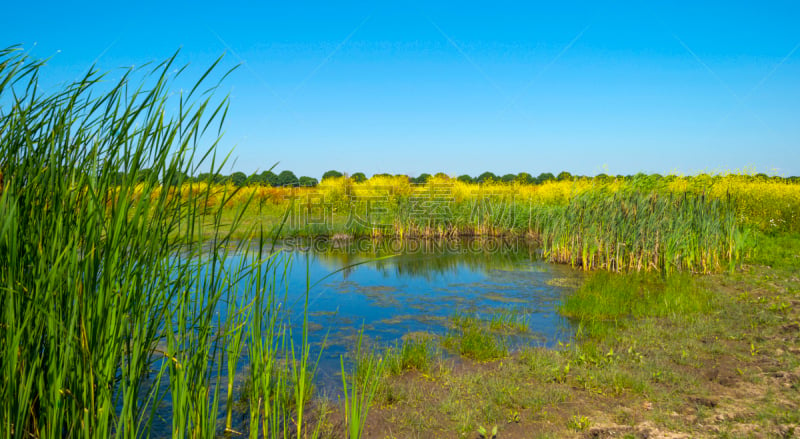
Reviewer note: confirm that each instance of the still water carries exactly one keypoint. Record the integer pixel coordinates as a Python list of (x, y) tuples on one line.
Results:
[(390, 291)]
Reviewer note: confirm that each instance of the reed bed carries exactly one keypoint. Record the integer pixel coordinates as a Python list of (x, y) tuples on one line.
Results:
[(395, 205), (645, 223), (632, 231), (117, 315)]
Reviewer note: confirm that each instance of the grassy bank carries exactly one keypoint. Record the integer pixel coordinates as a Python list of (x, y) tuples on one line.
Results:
[(655, 356)]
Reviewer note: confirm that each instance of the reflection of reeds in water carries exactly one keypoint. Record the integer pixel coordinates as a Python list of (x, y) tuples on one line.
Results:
[(426, 258)]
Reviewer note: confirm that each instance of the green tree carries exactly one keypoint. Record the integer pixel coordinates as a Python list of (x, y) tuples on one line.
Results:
[(207, 177), (486, 177), (269, 178), (331, 174), (545, 176), (602, 178), (238, 179), (308, 181), (564, 176), (254, 180), (442, 175), (524, 178), (508, 178), (287, 178), (465, 178), (358, 177), (422, 178)]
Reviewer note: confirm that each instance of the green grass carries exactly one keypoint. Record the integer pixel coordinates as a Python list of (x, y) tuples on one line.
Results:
[(414, 353), (635, 230), (578, 423), (90, 282), (511, 321), (779, 251), (471, 337), (612, 297)]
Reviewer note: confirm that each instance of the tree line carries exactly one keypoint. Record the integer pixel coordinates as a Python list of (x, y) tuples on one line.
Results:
[(526, 178), (288, 178)]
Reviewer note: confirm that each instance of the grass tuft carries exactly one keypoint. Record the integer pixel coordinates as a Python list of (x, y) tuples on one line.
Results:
[(471, 338), (413, 353)]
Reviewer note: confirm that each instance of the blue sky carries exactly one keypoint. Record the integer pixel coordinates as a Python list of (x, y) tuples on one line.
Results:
[(462, 88)]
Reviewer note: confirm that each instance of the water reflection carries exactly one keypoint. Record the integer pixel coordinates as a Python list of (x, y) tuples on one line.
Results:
[(417, 257), (394, 288)]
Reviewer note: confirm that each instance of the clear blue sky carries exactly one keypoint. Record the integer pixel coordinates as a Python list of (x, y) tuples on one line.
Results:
[(461, 88)]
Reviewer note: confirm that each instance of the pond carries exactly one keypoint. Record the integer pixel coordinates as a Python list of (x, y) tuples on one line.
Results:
[(391, 290)]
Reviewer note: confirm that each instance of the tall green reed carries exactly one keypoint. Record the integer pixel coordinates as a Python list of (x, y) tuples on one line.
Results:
[(265, 339), (302, 370), (638, 225), (112, 283), (361, 389), (639, 231)]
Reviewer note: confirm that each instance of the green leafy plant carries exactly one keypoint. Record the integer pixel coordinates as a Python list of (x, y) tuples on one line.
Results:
[(578, 423), (120, 286), (513, 417), (487, 434), (301, 368)]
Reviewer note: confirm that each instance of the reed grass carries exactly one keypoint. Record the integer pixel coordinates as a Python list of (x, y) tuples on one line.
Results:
[(360, 389), (302, 371), (645, 223), (642, 232), (125, 302)]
